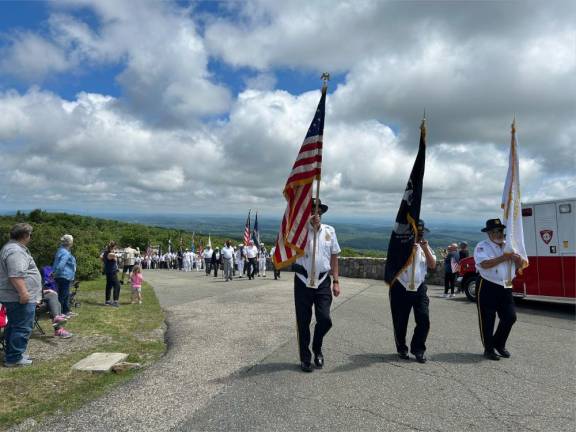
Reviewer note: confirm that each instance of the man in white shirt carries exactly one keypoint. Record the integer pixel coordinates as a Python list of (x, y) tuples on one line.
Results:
[(408, 292), (207, 254), (227, 255), (494, 293), (316, 291), (251, 252)]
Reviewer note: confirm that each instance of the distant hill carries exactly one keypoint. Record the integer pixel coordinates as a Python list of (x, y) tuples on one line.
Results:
[(360, 236)]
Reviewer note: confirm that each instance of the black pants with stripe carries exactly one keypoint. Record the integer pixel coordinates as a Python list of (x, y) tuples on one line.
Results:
[(402, 302), (304, 299), (495, 299)]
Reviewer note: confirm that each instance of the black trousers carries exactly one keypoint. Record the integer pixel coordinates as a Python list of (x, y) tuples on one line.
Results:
[(208, 265), (251, 267), (304, 299), (495, 299), (402, 302), (449, 282), (112, 284)]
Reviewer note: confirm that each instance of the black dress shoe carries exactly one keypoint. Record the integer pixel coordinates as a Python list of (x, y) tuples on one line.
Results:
[(306, 367), (319, 361), (503, 352), (404, 355), (420, 358), (491, 355)]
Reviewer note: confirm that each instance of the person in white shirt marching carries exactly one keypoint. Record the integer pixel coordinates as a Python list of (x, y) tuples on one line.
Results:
[(207, 255), (251, 252), (262, 257), (240, 259), (409, 292), (319, 295), (494, 292), (227, 255)]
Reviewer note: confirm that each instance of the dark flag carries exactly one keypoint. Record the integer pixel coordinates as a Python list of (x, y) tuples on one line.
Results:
[(255, 232), (401, 246)]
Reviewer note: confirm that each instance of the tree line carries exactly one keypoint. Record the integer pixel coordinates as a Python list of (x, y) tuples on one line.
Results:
[(91, 235)]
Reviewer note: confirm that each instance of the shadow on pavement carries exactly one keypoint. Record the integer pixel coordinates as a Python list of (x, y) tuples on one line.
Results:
[(456, 357), (358, 361), (259, 369)]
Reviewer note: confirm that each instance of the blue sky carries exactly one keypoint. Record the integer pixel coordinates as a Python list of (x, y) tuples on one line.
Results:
[(110, 106)]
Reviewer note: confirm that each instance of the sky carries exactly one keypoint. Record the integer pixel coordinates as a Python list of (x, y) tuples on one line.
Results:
[(148, 106)]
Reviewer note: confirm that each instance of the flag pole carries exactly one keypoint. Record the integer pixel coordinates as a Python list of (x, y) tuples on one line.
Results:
[(507, 209), (413, 272), (325, 77)]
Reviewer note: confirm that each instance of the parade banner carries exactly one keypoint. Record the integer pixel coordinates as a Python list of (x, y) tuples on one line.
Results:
[(401, 245)]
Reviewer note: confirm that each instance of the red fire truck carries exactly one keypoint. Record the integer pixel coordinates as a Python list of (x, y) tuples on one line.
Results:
[(550, 240)]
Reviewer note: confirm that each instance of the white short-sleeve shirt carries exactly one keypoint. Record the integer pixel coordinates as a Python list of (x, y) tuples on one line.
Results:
[(326, 246), (420, 270), (486, 250)]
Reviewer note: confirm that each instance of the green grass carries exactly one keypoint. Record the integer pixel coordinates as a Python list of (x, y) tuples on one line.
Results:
[(51, 385)]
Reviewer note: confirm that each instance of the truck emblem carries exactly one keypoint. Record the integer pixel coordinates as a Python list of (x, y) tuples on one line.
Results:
[(546, 235)]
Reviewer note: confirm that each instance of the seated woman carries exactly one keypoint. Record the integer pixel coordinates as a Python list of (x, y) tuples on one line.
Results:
[(50, 297)]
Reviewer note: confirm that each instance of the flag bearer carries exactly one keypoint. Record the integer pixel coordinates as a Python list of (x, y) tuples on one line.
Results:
[(409, 292), (494, 293), (319, 295)]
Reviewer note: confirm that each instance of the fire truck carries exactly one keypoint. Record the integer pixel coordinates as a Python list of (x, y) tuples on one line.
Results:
[(550, 240)]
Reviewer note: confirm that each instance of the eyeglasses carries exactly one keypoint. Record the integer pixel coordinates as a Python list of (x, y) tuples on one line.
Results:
[(497, 231)]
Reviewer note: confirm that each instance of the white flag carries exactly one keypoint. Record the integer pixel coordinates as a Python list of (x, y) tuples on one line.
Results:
[(512, 206), (209, 242)]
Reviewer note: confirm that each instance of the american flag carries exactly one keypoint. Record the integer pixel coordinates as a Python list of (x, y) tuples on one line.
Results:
[(293, 235), (247, 230)]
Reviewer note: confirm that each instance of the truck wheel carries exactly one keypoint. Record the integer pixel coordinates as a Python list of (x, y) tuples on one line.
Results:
[(469, 287)]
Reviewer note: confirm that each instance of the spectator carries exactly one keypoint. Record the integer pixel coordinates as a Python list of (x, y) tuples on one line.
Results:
[(50, 294), (20, 290), (64, 268), (110, 258), (450, 269), (136, 282), (463, 252), (129, 259)]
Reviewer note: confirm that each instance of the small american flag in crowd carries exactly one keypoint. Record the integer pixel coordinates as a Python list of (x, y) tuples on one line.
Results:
[(293, 235), (247, 230)]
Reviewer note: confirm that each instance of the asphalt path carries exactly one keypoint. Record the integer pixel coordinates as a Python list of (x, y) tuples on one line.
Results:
[(232, 366)]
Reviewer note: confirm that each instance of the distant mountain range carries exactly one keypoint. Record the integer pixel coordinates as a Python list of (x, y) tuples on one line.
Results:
[(359, 234)]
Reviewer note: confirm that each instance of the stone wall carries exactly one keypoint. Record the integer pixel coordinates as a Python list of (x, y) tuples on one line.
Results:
[(373, 268)]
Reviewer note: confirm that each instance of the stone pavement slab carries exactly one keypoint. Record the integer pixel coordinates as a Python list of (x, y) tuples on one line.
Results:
[(99, 362)]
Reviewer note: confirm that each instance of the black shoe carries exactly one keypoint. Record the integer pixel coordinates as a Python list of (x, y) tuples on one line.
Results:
[(306, 367), (421, 358), (503, 352), (319, 361), (491, 355), (404, 355)]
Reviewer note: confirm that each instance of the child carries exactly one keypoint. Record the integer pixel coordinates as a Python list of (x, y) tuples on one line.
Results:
[(136, 281)]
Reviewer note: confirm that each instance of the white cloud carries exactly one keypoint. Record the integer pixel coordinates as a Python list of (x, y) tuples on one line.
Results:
[(31, 57), (152, 145)]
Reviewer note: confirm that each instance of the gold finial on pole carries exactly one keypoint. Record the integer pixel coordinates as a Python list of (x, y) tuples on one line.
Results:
[(325, 78), (423, 124)]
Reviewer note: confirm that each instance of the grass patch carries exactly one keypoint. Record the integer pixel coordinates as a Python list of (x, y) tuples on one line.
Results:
[(50, 385)]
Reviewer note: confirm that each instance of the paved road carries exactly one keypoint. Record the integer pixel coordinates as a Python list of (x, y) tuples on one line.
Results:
[(231, 366)]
